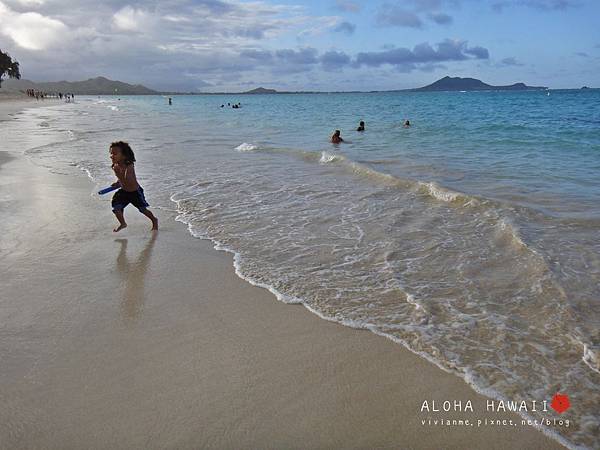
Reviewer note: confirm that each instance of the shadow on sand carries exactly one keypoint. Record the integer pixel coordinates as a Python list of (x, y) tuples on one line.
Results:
[(133, 277)]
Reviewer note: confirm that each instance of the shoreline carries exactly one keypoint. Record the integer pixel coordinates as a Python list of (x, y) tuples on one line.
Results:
[(490, 395), (187, 333), (12, 104)]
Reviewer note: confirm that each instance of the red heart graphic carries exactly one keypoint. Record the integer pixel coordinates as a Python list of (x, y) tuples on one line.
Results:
[(560, 403)]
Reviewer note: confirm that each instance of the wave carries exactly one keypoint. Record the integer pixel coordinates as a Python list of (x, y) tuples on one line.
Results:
[(591, 357), (430, 188), (327, 157), (245, 147), (447, 195), (185, 216)]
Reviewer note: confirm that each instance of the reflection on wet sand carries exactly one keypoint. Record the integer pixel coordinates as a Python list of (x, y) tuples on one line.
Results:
[(133, 275)]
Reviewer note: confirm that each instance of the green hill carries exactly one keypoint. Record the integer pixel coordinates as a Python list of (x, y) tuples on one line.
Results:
[(93, 86)]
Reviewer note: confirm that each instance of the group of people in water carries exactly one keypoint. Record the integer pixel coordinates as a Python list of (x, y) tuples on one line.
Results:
[(41, 95), (336, 137), (237, 105)]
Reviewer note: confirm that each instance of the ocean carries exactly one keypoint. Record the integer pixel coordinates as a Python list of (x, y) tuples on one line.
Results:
[(471, 238)]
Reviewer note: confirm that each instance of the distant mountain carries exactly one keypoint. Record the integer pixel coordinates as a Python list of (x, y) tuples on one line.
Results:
[(261, 90), (472, 84), (93, 86)]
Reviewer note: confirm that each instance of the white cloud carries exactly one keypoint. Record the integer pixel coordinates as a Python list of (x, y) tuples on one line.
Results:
[(175, 18), (131, 19), (177, 44), (30, 30), (31, 2)]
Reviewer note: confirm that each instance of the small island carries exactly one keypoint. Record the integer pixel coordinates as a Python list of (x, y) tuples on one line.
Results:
[(472, 84), (261, 90)]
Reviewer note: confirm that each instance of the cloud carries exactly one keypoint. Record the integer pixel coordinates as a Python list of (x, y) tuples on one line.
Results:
[(422, 54), (209, 44), (257, 55), (397, 16), (167, 44), (31, 2), (541, 5), (510, 61), (348, 6), (582, 54), (440, 18), (345, 27), (478, 52), (130, 19), (304, 56), (30, 30), (333, 60), (319, 25), (411, 13)]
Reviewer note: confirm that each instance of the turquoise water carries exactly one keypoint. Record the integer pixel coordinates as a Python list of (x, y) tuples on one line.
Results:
[(470, 237)]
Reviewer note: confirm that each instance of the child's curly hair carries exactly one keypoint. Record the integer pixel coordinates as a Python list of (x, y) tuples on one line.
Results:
[(125, 151)]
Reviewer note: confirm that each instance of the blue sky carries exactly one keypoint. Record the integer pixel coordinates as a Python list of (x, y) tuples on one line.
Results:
[(231, 45)]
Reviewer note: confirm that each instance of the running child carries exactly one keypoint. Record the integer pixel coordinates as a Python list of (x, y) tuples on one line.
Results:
[(130, 191)]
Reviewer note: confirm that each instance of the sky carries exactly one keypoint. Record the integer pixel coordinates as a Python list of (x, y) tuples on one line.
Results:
[(324, 45)]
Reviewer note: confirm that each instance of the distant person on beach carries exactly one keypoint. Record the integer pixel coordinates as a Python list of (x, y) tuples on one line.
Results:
[(361, 126), (407, 123), (123, 160), (170, 101), (336, 138)]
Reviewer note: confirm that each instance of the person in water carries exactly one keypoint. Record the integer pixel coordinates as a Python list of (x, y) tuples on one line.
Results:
[(361, 126), (123, 160), (407, 123), (336, 137)]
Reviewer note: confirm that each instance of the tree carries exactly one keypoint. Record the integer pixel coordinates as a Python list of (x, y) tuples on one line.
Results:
[(8, 67)]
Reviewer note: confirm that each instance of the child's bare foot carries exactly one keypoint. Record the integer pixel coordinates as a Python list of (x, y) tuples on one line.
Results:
[(155, 224), (120, 227)]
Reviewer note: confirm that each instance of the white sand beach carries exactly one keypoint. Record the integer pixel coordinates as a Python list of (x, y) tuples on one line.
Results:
[(141, 340)]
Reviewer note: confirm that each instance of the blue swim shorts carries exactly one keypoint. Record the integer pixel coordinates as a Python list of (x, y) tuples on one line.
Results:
[(123, 198)]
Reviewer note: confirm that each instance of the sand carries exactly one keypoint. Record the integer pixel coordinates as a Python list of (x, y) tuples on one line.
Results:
[(142, 340), (11, 103)]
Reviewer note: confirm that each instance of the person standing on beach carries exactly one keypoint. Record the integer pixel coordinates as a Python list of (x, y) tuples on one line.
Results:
[(123, 160)]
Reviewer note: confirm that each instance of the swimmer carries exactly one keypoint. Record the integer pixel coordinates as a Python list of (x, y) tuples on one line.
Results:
[(336, 137)]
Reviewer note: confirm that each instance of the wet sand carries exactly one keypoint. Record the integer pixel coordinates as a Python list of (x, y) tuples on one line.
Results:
[(142, 340), (11, 103)]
